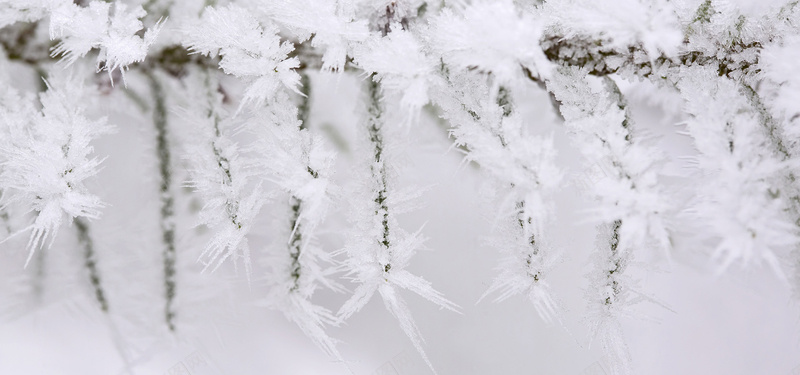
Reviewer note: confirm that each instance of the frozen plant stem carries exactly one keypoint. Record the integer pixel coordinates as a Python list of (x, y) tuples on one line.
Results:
[(380, 260), (776, 138), (167, 200), (295, 243), (617, 265), (41, 256), (232, 205), (504, 102), (224, 165), (90, 261), (304, 107), (768, 122), (607, 329), (378, 167), (296, 237)]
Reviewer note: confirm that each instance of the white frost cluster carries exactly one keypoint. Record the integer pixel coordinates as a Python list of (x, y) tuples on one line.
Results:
[(401, 65), (330, 26), (652, 24), (46, 157), (22, 11), (226, 180), (495, 135), (299, 161), (469, 38), (594, 113), (780, 63), (249, 49), (111, 28), (611, 295), (379, 250), (736, 161)]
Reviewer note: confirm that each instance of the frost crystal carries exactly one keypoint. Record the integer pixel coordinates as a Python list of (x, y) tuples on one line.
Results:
[(47, 156), (736, 157), (226, 180), (471, 39), (250, 49), (379, 251), (328, 25), (113, 32)]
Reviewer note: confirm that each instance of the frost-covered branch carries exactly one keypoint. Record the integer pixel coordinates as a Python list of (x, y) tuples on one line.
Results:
[(90, 261), (595, 112), (630, 198), (112, 32), (300, 162), (46, 157), (611, 295), (166, 197), (379, 250), (226, 180), (736, 154), (248, 48), (495, 135)]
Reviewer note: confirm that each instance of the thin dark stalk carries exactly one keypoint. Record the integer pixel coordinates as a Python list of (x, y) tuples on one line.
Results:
[(90, 261), (379, 168), (296, 227), (617, 259), (295, 242), (231, 207), (304, 108), (504, 102), (167, 200)]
